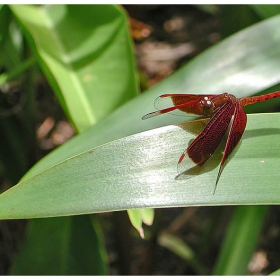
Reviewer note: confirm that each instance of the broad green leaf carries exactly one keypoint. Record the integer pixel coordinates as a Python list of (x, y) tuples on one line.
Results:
[(240, 241), (91, 67), (243, 64), (61, 246), (139, 171)]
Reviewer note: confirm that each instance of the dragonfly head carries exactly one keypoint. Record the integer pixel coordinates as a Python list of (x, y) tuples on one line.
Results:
[(207, 106)]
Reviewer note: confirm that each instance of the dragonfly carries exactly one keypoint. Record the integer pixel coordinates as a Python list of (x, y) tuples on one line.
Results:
[(225, 113)]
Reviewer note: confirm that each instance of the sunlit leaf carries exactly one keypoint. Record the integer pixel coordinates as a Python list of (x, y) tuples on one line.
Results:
[(91, 68), (140, 170)]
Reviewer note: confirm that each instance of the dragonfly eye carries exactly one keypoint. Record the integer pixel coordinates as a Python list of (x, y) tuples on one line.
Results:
[(208, 106)]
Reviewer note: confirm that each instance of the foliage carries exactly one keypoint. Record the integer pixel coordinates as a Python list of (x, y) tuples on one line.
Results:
[(114, 163)]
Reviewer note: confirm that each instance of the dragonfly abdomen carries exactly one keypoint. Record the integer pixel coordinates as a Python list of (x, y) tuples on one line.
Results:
[(256, 99)]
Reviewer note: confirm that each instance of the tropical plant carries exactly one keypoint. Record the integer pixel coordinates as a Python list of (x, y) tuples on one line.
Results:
[(117, 161)]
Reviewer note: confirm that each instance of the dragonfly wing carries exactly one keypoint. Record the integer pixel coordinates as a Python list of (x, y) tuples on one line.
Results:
[(236, 131), (205, 144), (177, 104)]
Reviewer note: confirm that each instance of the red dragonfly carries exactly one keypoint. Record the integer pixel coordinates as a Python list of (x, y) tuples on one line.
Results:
[(221, 109)]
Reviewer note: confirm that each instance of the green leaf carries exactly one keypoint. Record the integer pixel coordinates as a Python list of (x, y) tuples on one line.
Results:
[(266, 11), (179, 247), (275, 273), (61, 246), (139, 216), (7, 77), (140, 170), (243, 231), (85, 51), (236, 17), (10, 41)]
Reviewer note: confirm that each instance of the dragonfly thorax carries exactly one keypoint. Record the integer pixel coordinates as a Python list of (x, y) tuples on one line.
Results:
[(220, 100)]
